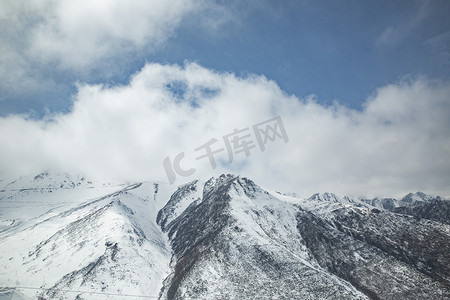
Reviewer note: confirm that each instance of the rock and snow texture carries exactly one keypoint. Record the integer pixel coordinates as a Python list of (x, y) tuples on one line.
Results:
[(226, 238), (240, 241)]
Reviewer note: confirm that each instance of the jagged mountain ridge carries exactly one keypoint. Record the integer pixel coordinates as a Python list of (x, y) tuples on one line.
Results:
[(224, 238), (341, 237), (240, 241)]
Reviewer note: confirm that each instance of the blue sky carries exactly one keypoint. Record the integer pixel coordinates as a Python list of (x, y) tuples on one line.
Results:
[(329, 48), (337, 50), (113, 89)]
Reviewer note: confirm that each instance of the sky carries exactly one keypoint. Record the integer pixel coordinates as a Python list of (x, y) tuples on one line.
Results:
[(141, 90)]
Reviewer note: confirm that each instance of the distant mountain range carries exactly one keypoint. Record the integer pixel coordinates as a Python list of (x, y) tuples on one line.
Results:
[(68, 237)]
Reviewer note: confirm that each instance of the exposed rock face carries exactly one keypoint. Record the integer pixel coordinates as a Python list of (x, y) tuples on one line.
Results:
[(437, 210), (241, 241)]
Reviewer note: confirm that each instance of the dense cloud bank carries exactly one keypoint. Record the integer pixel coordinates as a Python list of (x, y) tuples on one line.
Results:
[(398, 142)]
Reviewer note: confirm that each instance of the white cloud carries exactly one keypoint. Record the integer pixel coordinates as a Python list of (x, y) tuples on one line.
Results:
[(42, 38), (79, 33), (398, 143)]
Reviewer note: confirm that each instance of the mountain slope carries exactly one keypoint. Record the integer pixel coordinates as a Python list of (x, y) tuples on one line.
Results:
[(108, 244), (67, 237), (419, 205), (240, 241)]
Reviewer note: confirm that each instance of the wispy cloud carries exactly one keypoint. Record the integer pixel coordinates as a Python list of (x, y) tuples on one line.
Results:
[(440, 45), (399, 142), (405, 26)]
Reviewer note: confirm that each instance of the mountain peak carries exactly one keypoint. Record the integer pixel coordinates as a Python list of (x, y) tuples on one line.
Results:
[(418, 197), (48, 180), (334, 198)]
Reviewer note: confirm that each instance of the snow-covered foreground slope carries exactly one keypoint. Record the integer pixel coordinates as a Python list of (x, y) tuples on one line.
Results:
[(90, 238), (226, 238)]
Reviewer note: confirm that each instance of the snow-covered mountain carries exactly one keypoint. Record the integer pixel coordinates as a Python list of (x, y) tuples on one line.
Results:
[(67, 237), (410, 200), (74, 237)]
